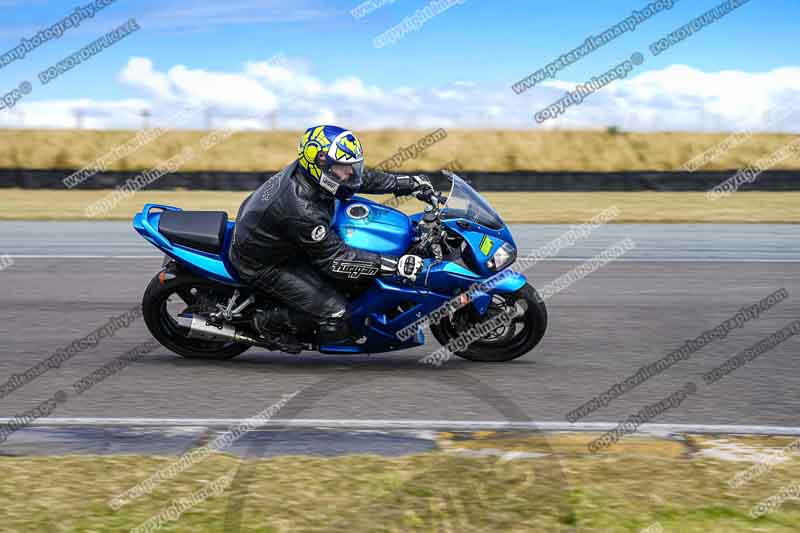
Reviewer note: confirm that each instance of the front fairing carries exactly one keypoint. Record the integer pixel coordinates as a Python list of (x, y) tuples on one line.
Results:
[(480, 243), (469, 215)]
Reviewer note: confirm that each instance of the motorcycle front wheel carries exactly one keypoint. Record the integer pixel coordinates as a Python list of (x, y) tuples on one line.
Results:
[(503, 343)]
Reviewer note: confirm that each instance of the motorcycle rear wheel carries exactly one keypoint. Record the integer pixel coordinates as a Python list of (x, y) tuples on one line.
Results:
[(193, 295), (503, 343)]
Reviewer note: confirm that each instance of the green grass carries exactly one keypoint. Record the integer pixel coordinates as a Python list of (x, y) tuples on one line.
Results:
[(635, 485)]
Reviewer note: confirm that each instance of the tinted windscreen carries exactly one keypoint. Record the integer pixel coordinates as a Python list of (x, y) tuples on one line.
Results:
[(464, 202)]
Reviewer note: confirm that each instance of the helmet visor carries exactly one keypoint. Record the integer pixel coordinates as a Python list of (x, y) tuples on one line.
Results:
[(349, 175)]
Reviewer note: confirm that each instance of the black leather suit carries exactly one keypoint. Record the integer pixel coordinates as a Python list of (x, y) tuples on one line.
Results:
[(284, 245)]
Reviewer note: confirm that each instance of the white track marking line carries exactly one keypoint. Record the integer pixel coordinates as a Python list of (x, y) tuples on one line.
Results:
[(652, 429)]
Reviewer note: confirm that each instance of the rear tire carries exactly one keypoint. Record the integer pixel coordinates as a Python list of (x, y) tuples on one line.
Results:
[(510, 344), (164, 327)]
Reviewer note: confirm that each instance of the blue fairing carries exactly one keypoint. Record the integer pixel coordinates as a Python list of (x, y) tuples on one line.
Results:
[(368, 225), (475, 234), (365, 224), (203, 264)]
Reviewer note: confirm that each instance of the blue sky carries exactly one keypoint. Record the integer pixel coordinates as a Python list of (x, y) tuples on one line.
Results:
[(464, 59)]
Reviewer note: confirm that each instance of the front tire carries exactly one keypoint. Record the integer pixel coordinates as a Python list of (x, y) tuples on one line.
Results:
[(504, 343), (163, 300)]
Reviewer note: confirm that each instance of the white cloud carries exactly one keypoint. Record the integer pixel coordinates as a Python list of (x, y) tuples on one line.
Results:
[(354, 89), (139, 74), (242, 124), (283, 78), (325, 116), (228, 92), (675, 98), (95, 114), (223, 93), (449, 95), (683, 98)]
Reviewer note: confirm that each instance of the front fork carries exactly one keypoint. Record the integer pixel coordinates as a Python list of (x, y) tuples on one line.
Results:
[(505, 282)]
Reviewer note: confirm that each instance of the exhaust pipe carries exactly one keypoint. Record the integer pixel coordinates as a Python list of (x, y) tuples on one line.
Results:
[(200, 328)]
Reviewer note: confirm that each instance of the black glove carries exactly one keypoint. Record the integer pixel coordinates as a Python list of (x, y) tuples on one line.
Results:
[(413, 185), (422, 187)]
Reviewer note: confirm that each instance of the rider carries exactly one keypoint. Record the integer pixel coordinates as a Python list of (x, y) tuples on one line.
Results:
[(283, 243)]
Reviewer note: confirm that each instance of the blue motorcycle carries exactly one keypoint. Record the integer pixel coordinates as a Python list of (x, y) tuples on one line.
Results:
[(198, 308)]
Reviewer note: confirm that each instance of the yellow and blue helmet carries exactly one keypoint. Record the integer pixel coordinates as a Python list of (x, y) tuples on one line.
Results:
[(324, 147)]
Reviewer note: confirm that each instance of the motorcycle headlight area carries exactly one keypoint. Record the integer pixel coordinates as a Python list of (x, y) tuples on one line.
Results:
[(504, 256)]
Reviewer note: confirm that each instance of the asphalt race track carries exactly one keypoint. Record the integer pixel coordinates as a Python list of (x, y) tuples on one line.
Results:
[(70, 278)]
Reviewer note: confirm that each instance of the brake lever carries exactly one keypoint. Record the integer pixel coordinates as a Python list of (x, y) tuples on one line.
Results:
[(425, 195)]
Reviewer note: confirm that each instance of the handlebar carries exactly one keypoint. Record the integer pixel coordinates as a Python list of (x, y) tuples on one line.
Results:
[(428, 195)]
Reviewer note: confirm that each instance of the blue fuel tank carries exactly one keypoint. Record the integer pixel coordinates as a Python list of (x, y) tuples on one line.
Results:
[(371, 226)]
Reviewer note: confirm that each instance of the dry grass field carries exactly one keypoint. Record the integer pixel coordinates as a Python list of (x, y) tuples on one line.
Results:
[(492, 150), (514, 207)]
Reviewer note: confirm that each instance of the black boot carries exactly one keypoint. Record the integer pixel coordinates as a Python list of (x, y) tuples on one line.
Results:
[(333, 331), (275, 318), (277, 329)]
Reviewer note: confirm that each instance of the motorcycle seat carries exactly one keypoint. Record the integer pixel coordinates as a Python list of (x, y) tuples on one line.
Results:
[(200, 230)]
